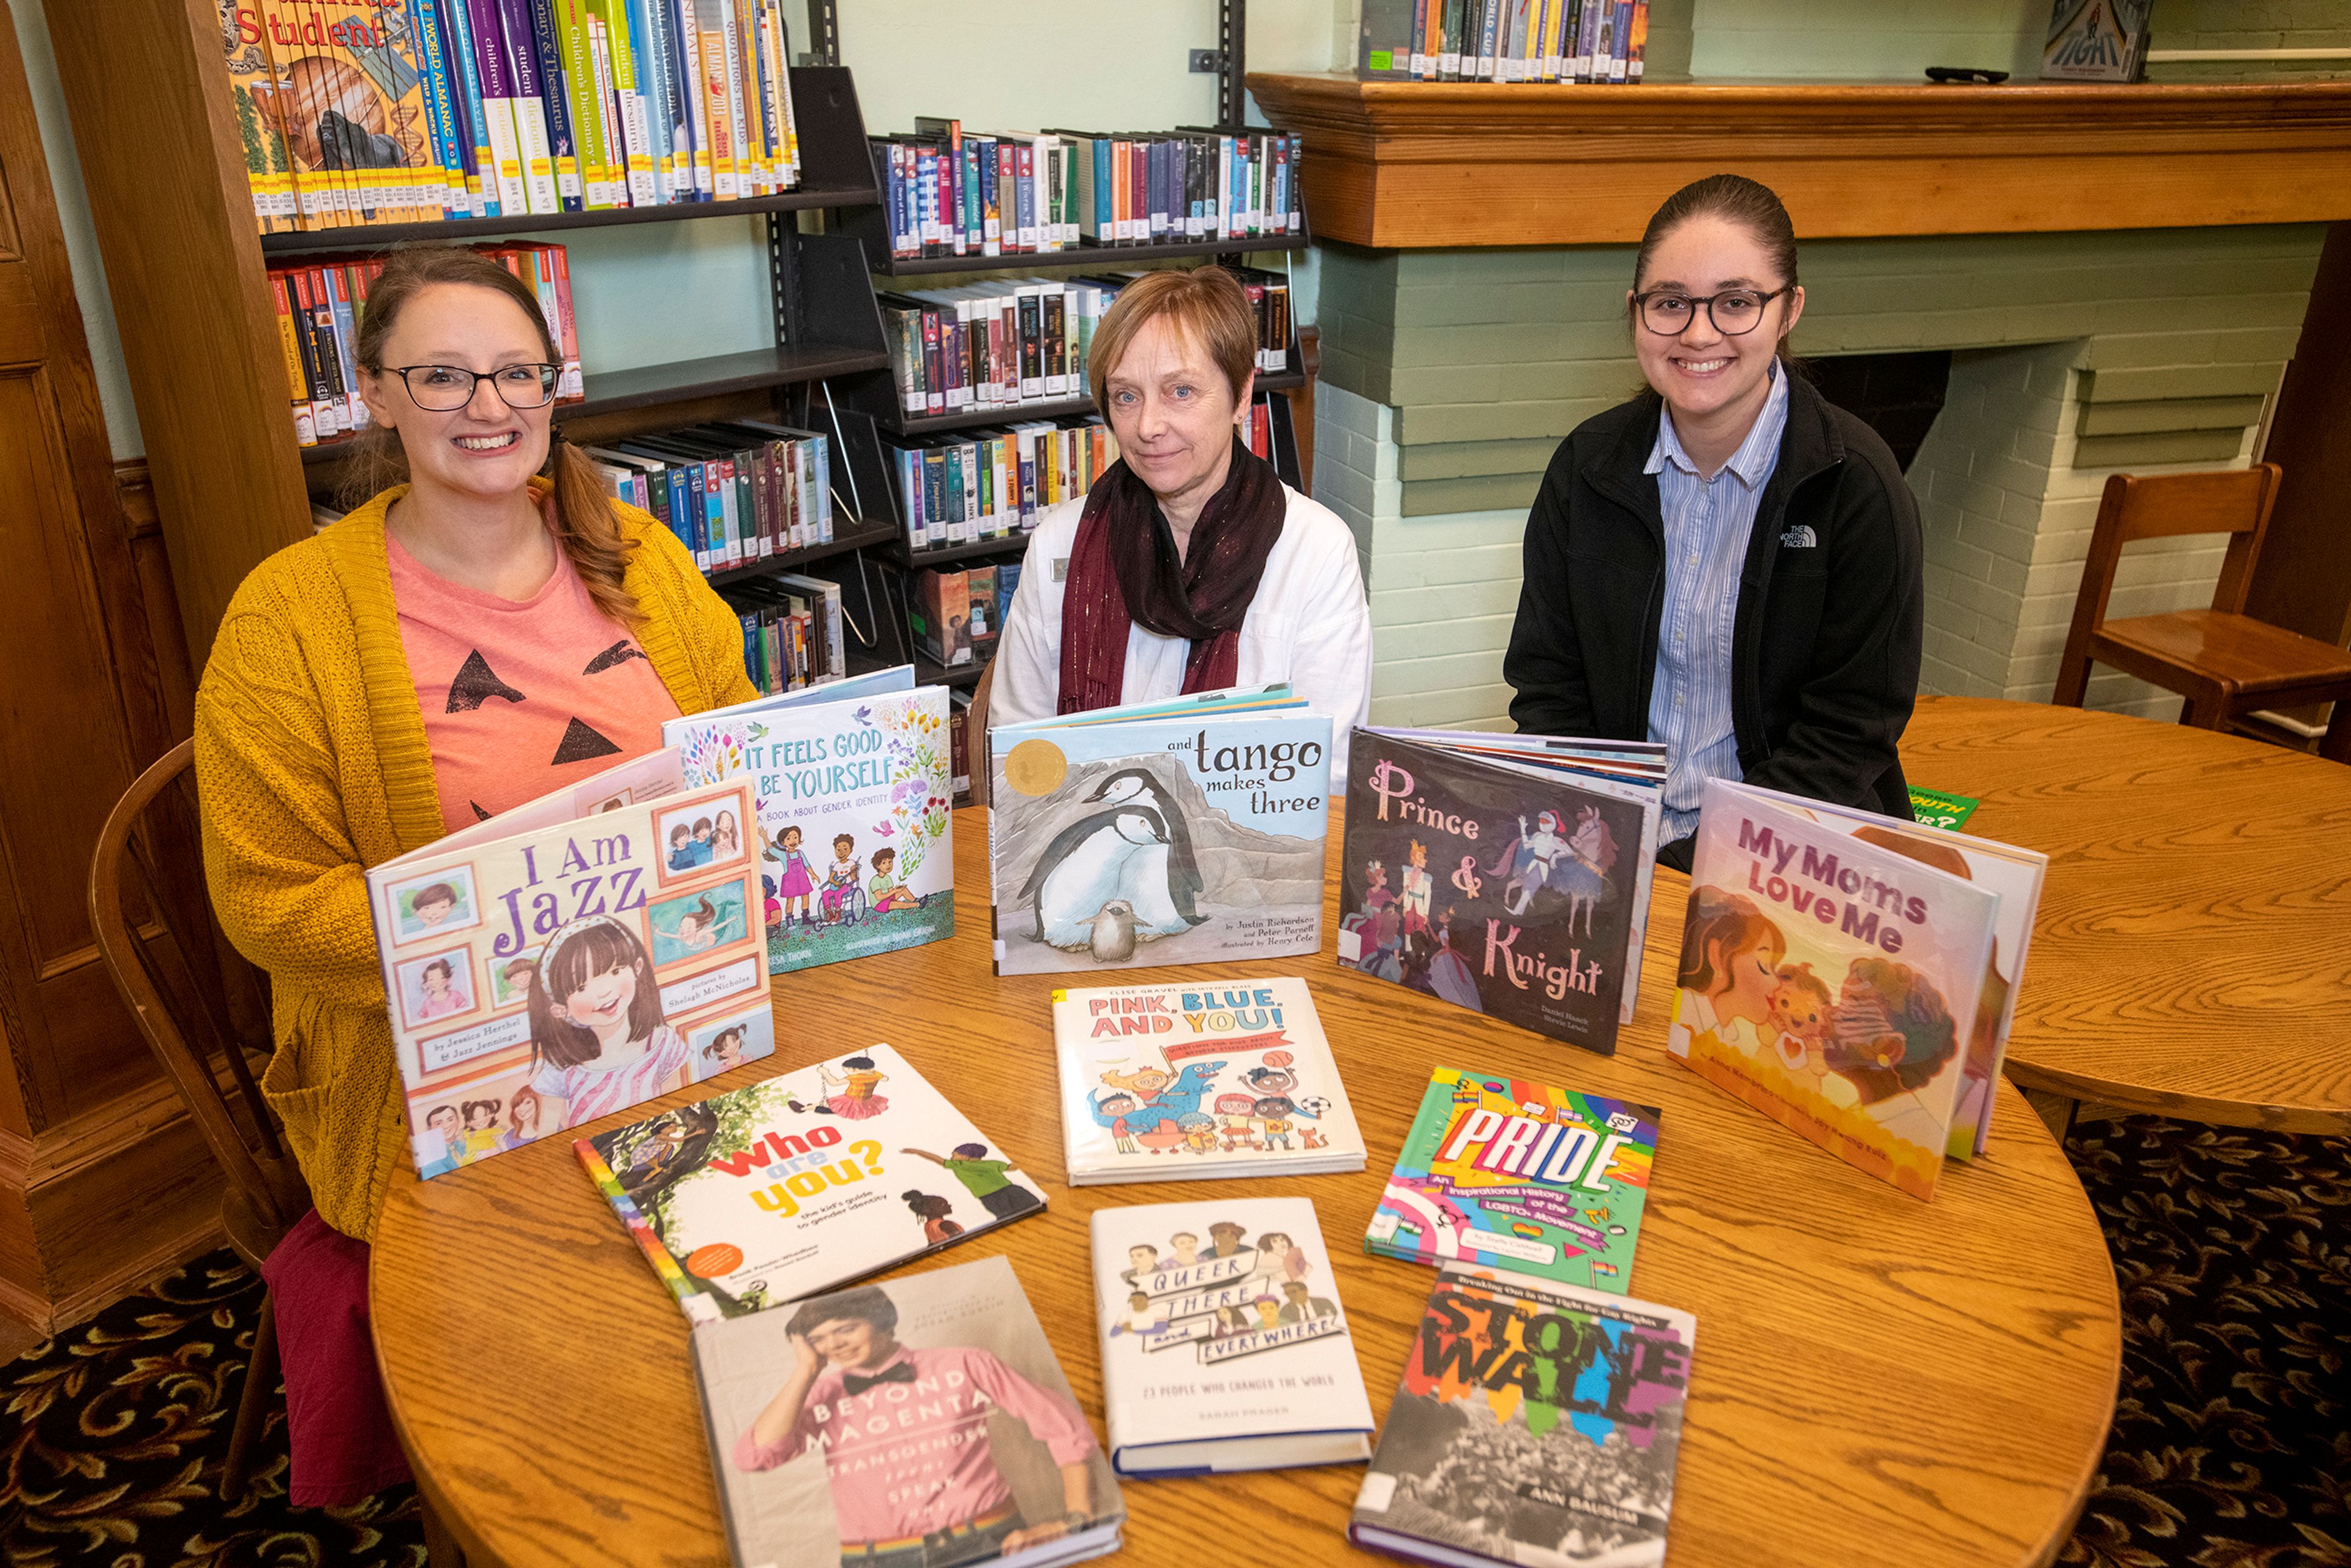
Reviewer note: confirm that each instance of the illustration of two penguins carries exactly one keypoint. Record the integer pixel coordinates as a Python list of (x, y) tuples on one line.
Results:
[(1120, 875)]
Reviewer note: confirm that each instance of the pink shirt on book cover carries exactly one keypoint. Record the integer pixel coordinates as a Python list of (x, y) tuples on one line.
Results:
[(521, 696), (908, 1451)]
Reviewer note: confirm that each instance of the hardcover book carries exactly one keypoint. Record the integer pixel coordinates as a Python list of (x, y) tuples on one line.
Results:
[(2095, 40), (851, 795), (1510, 877), (796, 1184), (550, 966), (1187, 1083), (1178, 832), (1535, 1423), (864, 1424), (1521, 1175), (1830, 981), (1225, 1345)]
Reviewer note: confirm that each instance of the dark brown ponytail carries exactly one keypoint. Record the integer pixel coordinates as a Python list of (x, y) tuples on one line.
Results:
[(1736, 199), (585, 524)]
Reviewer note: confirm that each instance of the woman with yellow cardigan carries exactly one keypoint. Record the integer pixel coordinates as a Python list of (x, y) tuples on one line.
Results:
[(462, 642)]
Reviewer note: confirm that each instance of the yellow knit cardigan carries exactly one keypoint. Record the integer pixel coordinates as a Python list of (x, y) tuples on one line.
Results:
[(313, 765)]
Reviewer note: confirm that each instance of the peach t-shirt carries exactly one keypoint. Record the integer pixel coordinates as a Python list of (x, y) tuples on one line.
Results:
[(521, 696)]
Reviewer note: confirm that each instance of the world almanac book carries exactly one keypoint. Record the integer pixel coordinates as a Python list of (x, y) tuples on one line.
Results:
[(864, 1424), (1535, 1423), (796, 1184), (1522, 1175)]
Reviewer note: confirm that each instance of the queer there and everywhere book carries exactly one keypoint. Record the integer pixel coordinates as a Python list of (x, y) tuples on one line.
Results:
[(795, 1183), (549, 965), (1506, 875), (1180, 1082), (1186, 832), (1831, 981), (1535, 1424), (1225, 1345), (857, 1426), (1500, 1170), (852, 793)]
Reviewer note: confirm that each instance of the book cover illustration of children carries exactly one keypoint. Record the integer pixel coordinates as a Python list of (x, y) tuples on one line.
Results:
[(1238, 1299), (597, 1032), (699, 922)]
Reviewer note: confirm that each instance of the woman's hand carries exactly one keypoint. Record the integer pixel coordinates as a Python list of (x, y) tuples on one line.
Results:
[(804, 1358)]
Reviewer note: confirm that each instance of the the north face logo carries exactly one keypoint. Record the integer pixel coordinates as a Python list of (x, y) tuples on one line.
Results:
[(1801, 536)]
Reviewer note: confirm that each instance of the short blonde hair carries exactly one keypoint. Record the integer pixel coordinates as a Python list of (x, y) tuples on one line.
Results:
[(1208, 304)]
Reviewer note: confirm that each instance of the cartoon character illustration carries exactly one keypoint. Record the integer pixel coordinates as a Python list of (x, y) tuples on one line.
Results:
[(1729, 966), (698, 928), (1308, 1138), (526, 1114), (686, 851), (1376, 896), (1112, 939), (434, 904), (1279, 1257), (1269, 1311), (1236, 1122), (1142, 1261), (1229, 1321), (1890, 1033), (1529, 859), (1199, 1130), (983, 1178), (726, 838), (1137, 848), (1799, 1014), (851, 1094), (1224, 1240), (482, 1134), (442, 1120), (1416, 888), (725, 1049), (598, 1038), (1139, 1317), (1111, 1110), (1447, 973), (1298, 1306), (1583, 876), (887, 892), (933, 1211), (795, 880), (1184, 1250), (1170, 1095), (840, 879), (441, 996), (1273, 1113)]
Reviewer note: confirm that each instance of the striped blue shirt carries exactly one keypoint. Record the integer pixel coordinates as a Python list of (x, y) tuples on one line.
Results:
[(1707, 522)]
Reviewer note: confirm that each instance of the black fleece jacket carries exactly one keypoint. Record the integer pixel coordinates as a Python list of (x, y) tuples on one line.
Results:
[(1825, 662)]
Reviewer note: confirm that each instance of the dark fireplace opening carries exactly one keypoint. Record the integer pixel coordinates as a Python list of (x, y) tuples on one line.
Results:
[(1896, 395)]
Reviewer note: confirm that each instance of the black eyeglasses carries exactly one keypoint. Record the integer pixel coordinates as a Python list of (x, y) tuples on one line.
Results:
[(445, 389), (1734, 312)]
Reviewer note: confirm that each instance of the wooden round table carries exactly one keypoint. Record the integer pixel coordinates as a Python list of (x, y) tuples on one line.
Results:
[(1878, 1380), (2192, 956)]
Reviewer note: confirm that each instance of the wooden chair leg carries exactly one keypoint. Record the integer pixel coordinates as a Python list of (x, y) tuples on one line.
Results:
[(2205, 711), (253, 1405), (2073, 681), (2335, 745), (441, 1548)]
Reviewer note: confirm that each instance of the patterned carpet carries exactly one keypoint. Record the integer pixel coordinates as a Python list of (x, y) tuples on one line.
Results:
[(2232, 1445)]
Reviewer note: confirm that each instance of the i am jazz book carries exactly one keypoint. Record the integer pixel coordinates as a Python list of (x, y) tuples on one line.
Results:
[(929, 1409), (551, 965), (1187, 831), (795, 1183), (1502, 1170), (1506, 875)]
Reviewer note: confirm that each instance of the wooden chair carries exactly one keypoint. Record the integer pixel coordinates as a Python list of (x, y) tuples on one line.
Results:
[(2222, 661), (174, 972)]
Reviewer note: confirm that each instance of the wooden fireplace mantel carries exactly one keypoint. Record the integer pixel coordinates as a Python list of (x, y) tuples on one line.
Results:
[(1403, 164)]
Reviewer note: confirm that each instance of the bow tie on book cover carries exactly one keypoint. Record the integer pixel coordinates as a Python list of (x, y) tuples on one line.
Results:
[(855, 1384)]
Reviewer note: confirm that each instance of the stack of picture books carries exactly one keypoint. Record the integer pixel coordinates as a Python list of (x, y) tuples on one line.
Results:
[(733, 492), (320, 304), (402, 112), (1597, 41), (994, 482)]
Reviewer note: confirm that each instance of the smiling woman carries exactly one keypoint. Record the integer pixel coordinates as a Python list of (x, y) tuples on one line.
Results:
[(1726, 564), (1190, 566)]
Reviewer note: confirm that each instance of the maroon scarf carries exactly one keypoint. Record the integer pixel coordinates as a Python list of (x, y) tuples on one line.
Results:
[(1123, 572)]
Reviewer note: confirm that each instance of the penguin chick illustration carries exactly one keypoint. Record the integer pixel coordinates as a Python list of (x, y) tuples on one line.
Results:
[(1113, 936)]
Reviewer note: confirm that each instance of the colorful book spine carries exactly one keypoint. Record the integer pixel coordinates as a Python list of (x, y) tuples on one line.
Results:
[(458, 47), (628, 96), (269, 171), (528, 103), (565, 144), (498, 89), (698, 100), (441, 108), (650, 39)]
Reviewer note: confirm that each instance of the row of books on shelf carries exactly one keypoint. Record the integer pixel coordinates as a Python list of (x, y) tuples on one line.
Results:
[(388, 111), (991, 484), (733, 492), (794, 635), (320, 305), (948, 192), (1009, 342), (1596, 41), (955, 614)]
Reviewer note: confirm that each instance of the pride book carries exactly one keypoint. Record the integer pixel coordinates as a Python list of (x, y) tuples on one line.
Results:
[(1535, 1423), (1508, 874), (1188, 1082), (929, 1407), (550, 966), (1500, 1170), (852, 792), (1186, 831), (1225, 1345), (1836, 970), (793, 1185)]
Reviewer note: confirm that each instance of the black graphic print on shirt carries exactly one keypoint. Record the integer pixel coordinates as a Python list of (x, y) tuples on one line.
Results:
[(581, 742), (613, 657), (478, 683)]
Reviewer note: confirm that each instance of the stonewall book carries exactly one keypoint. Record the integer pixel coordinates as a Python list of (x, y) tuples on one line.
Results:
[(1224, 1343), (861, 1424), (1535, 1423), (552, 964), (1187, 1083), (1513, 884), (1189, 831), (1522, 1175), (793, 1185), (1830, 981), (853, 797)]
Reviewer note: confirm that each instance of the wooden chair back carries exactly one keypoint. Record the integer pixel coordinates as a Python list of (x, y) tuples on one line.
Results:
[(2169, 506), (186, 986)]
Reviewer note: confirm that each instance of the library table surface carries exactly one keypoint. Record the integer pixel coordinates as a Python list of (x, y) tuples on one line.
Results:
[(2192, 955), (1876, 1380)]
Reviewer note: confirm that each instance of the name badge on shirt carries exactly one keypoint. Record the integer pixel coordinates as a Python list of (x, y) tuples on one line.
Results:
[(1061, 569)]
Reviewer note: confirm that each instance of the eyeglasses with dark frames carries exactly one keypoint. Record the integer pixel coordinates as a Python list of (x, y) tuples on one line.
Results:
[(1734, 312), (445, 389)]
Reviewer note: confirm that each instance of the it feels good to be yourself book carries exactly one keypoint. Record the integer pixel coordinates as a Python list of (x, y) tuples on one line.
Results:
[(1225, 1345), (1178, 1083), (856, 1426), (1535, 1424), (1187, 831), (797, 1183), (1522, 1175), (550, 966), (1505, 874)]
